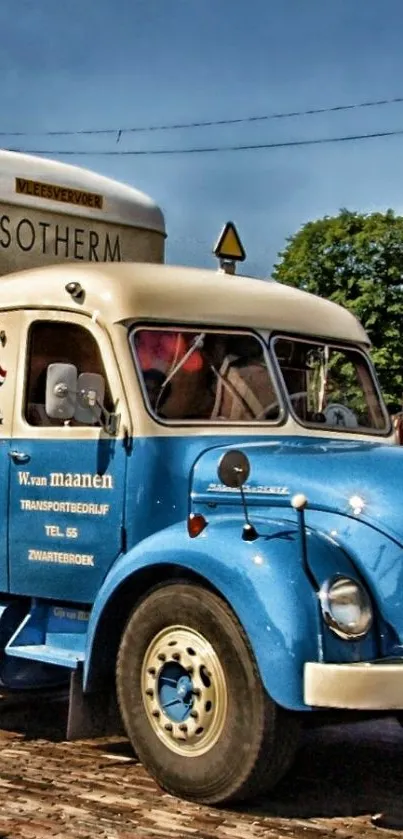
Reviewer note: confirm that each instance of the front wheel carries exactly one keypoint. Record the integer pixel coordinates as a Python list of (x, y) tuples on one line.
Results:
[(193, 703)]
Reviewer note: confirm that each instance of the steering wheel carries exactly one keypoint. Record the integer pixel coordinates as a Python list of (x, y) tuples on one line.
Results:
[(292, 396)]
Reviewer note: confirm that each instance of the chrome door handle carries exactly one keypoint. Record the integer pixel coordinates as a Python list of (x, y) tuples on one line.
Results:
[(19, 457)]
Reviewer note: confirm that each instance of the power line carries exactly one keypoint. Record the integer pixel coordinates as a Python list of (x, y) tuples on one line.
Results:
[(204, 149), (206, 123)]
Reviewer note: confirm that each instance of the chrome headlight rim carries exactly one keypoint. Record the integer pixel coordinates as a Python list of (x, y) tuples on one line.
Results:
[(344, 632)]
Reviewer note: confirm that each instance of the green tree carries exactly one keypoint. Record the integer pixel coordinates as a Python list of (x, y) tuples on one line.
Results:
[(357, 261)]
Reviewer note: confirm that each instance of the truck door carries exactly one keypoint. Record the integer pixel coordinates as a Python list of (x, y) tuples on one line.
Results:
[(9, 346), (67, 478)]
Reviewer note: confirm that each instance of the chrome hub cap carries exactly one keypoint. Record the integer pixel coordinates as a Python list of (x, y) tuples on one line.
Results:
[(184, 691)]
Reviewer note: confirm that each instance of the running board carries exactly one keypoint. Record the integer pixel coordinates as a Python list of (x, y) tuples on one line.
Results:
[(52, 635)]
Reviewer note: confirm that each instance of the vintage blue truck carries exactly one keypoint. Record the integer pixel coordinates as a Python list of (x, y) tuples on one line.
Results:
[(200, 495)]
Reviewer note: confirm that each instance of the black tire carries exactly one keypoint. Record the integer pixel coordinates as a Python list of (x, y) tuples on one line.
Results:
[(257, 739)]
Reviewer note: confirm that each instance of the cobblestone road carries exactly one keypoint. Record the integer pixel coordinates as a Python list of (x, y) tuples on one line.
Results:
[(96, 788)]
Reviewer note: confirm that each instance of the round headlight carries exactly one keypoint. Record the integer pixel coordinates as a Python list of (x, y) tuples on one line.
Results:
[(346, 607)]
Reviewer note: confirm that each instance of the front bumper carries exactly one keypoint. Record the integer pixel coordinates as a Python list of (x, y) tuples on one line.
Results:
[(363, 686)]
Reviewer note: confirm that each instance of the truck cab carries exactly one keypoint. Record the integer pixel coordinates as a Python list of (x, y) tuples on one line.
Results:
[(200, 496)]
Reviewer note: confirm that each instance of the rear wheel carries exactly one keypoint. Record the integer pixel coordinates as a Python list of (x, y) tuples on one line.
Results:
[(192, 700)]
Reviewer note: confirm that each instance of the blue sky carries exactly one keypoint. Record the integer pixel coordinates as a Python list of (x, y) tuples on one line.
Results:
[(114, 63)]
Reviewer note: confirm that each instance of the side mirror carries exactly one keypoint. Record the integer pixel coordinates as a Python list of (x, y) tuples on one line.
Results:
[(82, 397), (90, 398), (61, 387)]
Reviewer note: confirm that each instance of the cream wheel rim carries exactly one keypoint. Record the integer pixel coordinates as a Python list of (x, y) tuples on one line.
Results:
[(184, 691)]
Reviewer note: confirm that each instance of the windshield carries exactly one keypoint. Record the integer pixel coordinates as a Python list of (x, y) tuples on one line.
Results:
[(208, 376), (329, 385)]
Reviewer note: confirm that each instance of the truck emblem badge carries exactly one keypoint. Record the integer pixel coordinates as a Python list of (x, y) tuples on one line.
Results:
[(255, 490)]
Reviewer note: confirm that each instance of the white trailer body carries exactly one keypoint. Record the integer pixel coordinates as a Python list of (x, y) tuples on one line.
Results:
[(52, 212)]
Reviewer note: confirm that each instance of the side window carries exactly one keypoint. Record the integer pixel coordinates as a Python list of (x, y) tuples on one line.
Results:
[(205, 376), (52, 342)]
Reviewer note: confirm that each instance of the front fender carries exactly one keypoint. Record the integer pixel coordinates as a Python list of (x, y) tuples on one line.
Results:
[(262, 581)]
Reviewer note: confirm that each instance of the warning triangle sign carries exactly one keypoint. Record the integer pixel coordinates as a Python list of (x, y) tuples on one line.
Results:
[(229, 245)]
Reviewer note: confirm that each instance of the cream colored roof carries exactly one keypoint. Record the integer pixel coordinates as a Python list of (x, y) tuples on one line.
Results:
[(121, 291), (121, 203)]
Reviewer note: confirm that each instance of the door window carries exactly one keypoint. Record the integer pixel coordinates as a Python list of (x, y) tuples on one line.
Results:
[(53, 342)]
